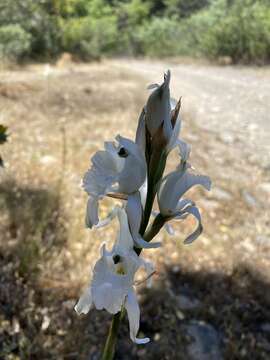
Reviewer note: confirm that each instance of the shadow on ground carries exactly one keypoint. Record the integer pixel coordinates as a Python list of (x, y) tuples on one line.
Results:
[(187, 315), (203, 316)]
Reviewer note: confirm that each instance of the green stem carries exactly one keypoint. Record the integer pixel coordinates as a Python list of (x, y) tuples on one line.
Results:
[(155, 170), (109, 349)]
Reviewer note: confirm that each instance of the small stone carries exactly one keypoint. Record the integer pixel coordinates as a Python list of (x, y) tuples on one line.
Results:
[(204, 341), (157, 337), (47, 160), (180, 315), (45, 322), (249, 199), (227, 138)]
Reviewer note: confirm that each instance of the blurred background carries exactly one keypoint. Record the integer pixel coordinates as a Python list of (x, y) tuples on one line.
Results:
[(73, 73)]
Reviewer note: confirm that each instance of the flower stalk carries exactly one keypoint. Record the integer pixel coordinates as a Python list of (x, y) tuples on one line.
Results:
[(133, 172), (109, 348)]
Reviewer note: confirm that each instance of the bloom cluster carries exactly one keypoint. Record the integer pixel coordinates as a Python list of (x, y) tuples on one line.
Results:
[(133, 171)]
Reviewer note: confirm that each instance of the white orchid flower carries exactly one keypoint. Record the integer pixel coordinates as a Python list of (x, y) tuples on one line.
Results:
[(120, 168), (160, 111), (112, 286), (173, 187)]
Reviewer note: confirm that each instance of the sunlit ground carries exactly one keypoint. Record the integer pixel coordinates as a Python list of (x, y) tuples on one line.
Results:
[(58, 117)]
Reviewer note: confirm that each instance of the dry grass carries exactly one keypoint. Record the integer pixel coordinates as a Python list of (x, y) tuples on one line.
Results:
[(57, 121)]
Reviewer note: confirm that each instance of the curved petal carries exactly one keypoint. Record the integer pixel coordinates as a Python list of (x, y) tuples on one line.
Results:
[(84, 304), (108, 219), (141, 243), (193, 210), (181, 205), (91, 217), (175, 185), (166, 196), (187, 181), (134, 214), (133, 311)]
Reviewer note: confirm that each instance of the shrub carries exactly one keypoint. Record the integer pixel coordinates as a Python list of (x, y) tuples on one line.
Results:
[(160, 37), (15, 42), (240, 30), (90, 38)]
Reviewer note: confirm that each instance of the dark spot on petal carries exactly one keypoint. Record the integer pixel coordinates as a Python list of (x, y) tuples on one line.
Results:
[(123, 152), (116, 259)]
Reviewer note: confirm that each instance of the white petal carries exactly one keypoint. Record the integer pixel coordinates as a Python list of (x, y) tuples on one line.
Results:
[(166, 197), (108, 219), (113, 150), (108, 288), (175, 185), (189, 180), (143, 192), (84, 304), (103, 173), (184, 149), (193, 210), (173, 103), (183, 203), (91, 217), (141, 243), (134, 213), (174, 135), (140, 133), (133, 174), (133, 312), (158, 106), (125, 241)]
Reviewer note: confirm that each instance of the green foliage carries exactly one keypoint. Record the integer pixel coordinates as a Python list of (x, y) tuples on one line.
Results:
[(183, 8), (14, 42), (160, 37), (90, 38), (93, 28), (240, 30)]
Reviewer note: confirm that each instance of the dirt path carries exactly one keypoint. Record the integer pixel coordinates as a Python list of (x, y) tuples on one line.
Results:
[(231, 101)]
